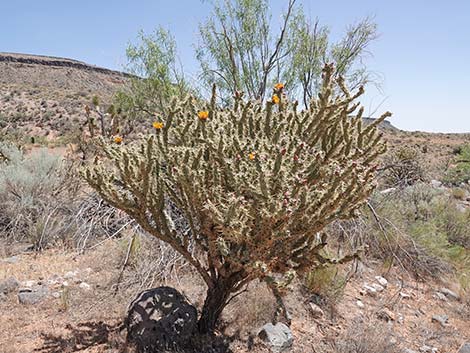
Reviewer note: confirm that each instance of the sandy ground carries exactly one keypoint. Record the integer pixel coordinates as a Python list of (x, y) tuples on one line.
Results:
[(86, 320)]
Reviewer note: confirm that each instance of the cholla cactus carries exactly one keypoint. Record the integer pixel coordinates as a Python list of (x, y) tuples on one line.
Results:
[(256, 184)]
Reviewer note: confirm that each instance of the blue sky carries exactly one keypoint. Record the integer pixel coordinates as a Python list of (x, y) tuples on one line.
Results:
[(423, 52)]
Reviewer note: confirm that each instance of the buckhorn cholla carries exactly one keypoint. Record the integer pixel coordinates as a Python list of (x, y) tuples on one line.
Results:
[(256, 183)]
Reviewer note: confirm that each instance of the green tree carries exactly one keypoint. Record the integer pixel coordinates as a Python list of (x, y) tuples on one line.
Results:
[(255, 184), (240, 51), (156, 74), (237, 49), (310, 48)]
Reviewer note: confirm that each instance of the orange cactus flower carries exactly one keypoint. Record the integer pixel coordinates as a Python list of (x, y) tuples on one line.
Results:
[(252, 156), (279, 86), (203, 115), (276, 99), (117, 139), (158, 125)]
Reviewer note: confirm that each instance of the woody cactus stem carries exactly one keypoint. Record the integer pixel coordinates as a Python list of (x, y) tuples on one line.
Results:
[(256, 184)]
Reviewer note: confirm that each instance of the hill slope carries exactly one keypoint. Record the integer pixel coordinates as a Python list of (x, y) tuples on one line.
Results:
[(44, 96)]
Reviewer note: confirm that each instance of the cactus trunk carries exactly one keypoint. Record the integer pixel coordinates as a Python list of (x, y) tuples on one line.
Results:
[(217, 298)]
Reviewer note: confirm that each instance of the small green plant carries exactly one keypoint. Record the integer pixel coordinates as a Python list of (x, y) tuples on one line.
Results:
[(327, 282), (459, 193), (459, 172)]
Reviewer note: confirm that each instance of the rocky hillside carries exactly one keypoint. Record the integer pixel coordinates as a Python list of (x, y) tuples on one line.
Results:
[(44, 96)]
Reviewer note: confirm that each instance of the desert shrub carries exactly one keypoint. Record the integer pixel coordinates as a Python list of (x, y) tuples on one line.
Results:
[(326, 284), (26, 186), (424, 230), (42, 202), (459, 193), (254, 185), (459, 172), (403, 167), (453, 222), (365, 338)]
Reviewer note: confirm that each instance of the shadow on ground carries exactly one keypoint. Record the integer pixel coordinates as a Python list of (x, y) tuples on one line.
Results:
[(81, 337)]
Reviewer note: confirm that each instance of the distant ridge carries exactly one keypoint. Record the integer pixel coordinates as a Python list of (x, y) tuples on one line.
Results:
[(384, 125), (55, 61)]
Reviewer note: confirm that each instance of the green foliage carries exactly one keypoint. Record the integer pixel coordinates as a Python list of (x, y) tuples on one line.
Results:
[(153, 62), (327, 282), (240, 51), (459, 172), (27, 188), (254, 184), (437, 227), (310, 46)]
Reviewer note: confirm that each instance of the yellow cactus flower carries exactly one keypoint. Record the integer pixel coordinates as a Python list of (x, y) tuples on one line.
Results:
[(252, 156), (158, 125), (278, 86), (203, 115), (117, 139), (276, 99)]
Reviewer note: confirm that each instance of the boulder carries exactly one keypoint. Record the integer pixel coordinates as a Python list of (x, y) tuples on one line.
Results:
[(31, 296), (9, 285), (160, 318), (465, 348), (85, 286), (441, 319), (382, 281), (316, 311), (377, 287), (278, 336), (386, 315), (11, 260), (449, 294)]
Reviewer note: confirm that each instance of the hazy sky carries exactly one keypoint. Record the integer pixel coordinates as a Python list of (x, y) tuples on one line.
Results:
[(423, 52)]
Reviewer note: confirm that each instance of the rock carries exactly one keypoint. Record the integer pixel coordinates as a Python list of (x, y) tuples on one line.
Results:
[(465, 348), (3, 297), (370, 290), (11, 260), (440, 296), (9, 285), (55, 279), (32, 295), (159, 318), (71, 274), (442, 319), (388, 191), (435, 183), (377, 287), (407, 350), (400, 319), (316, 311), (56, 295), (84, 286), (29, 283), (386, 315), (427, 349), (404, 295), (382, 281), (279, 336), (449, 294), (360, 304)]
